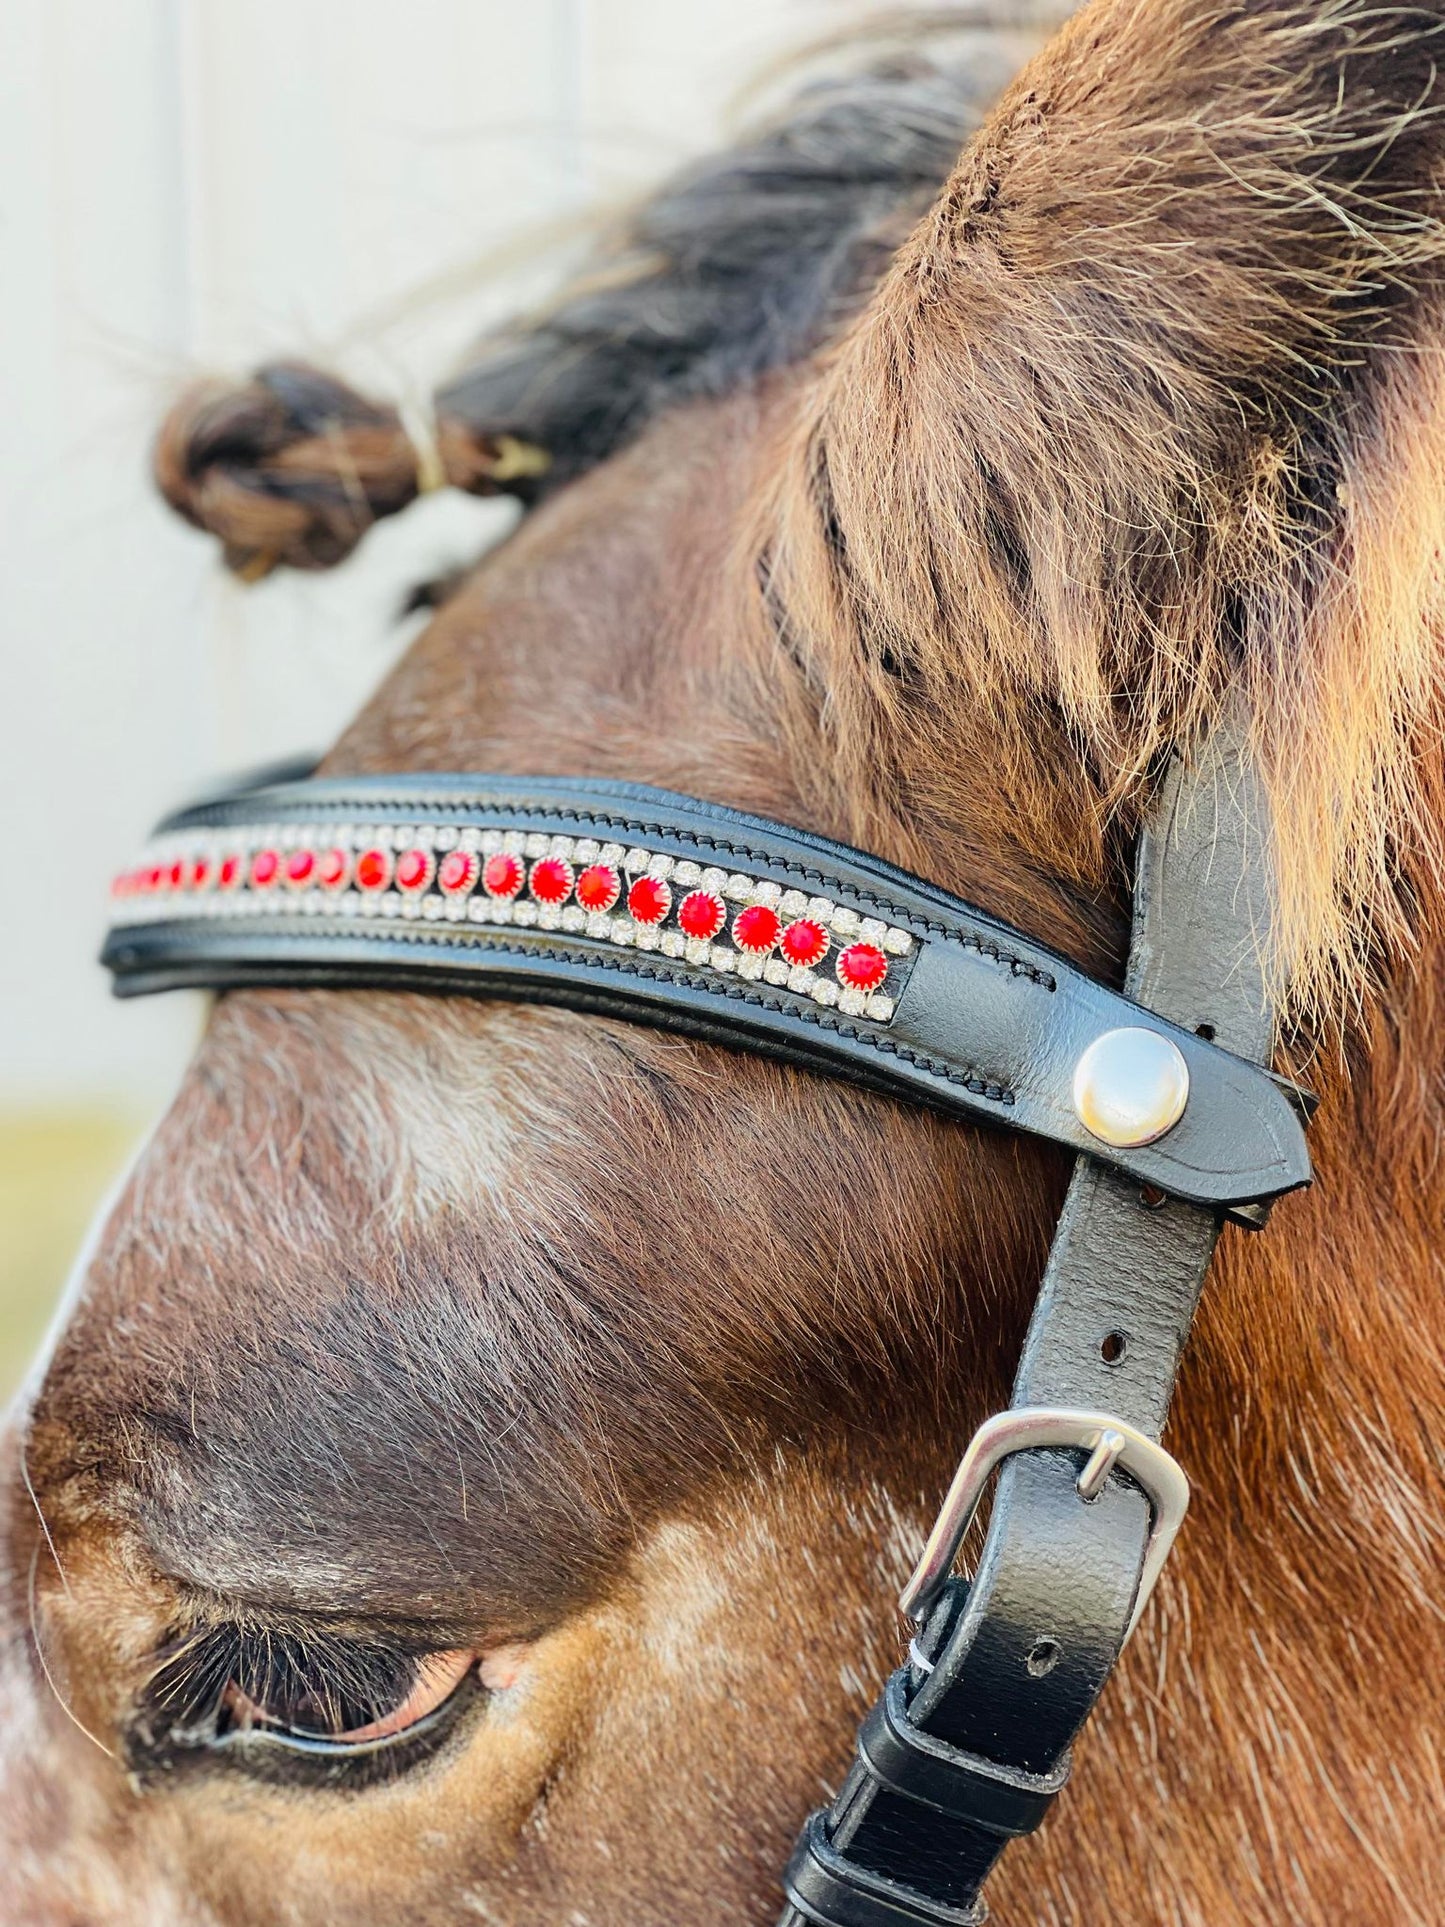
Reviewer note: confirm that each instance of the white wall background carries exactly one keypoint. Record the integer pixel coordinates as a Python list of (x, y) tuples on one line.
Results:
[(198, 184)]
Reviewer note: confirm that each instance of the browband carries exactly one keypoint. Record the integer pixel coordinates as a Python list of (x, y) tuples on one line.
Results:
[(640, 904)]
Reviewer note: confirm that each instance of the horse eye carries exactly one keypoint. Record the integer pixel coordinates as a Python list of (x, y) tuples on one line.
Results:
[(313, 1709), (253, 1692)]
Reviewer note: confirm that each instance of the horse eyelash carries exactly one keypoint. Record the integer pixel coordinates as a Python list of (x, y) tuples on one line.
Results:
[(315, 1683)]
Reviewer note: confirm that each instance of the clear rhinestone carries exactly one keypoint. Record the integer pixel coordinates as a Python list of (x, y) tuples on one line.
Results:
[(432, 908), (662, 865), (872, 929), (647, 936), (721, 958), (610, 853), (769, 893), (586, 848), (502, 912), (821, 909), (636, 860), (825, 992), (478, 910), (574, 919), (713, 879), (549, 917), (687, 873), (750, 966), (599, 925), (445, 838), (490, 842), (794, 903), (777, 970), (846, 921), (562, 846), (535, 844), (410, 909), (897, 943), (390, 906), (880, 1008), (674, 944), (738, 887), (621, 929), (524, 915), (802, 981), (456, 910), (852, 1002)]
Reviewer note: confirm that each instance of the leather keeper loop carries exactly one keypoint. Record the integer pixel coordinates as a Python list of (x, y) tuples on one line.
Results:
[(826, 1888), (916, 1764)]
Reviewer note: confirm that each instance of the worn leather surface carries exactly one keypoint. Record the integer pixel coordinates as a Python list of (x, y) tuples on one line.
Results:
[(1015, 1660), (988, 1023)]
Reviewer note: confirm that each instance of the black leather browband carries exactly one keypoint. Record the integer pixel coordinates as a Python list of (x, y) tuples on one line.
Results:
[(950, 1006)]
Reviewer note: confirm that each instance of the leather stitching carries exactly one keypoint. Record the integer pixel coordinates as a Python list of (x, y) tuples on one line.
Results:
[(966, 1076), (601, 820)]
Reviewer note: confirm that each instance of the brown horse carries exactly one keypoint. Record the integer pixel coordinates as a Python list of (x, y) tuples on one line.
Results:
[(601, 1384)]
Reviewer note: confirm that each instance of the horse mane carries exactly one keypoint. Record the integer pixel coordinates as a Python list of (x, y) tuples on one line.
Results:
[(1122, 457), (744, 262)]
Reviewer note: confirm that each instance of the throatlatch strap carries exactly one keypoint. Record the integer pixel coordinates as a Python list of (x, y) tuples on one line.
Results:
[(971, 1741), (670, 911)]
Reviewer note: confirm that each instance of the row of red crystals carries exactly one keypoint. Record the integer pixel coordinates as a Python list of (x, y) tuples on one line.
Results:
[(757, 928)]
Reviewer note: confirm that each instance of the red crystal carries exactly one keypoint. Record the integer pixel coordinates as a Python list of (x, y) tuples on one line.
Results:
[(373, 870), (649, 900), (457, 872), (598, 888), (229, 874), (178, 876), (301, 869), (862, 966), (757, 929), (551, 880), (413, 871), (265, 868), (332, 869), (155, 877), (805, 943), (702, 913), (502, 876), (200, 877)]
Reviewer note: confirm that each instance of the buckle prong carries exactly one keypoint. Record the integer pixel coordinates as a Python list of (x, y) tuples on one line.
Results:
[(1110, 1444)]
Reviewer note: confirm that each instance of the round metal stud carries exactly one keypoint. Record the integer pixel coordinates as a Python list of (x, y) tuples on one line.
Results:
[(1130, 1087)]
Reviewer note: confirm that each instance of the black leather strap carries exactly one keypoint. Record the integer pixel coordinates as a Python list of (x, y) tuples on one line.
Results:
[(972, 1016), (1008, 1667)]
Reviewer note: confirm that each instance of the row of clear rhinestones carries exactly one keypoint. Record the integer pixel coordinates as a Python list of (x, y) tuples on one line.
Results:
[(143, 905)]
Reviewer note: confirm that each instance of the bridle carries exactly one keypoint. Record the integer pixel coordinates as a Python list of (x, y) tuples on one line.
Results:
[(669, 911)]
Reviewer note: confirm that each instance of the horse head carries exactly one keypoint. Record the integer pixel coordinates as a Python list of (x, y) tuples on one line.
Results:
[(521, 1418)]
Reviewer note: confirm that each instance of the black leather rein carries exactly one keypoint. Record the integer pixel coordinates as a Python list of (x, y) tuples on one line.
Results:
[(661, 909)]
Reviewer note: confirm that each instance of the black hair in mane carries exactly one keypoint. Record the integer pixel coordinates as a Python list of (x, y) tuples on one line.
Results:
[(742, 263)]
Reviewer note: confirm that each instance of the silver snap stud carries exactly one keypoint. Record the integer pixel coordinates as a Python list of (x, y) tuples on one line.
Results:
[(1130, 1086)]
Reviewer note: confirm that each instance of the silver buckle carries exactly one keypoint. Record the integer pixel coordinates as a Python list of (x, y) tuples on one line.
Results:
[(1109, 1442)]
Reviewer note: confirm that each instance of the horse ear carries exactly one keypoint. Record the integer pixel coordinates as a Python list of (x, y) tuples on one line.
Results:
[(293, 467), (1145, 411)]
